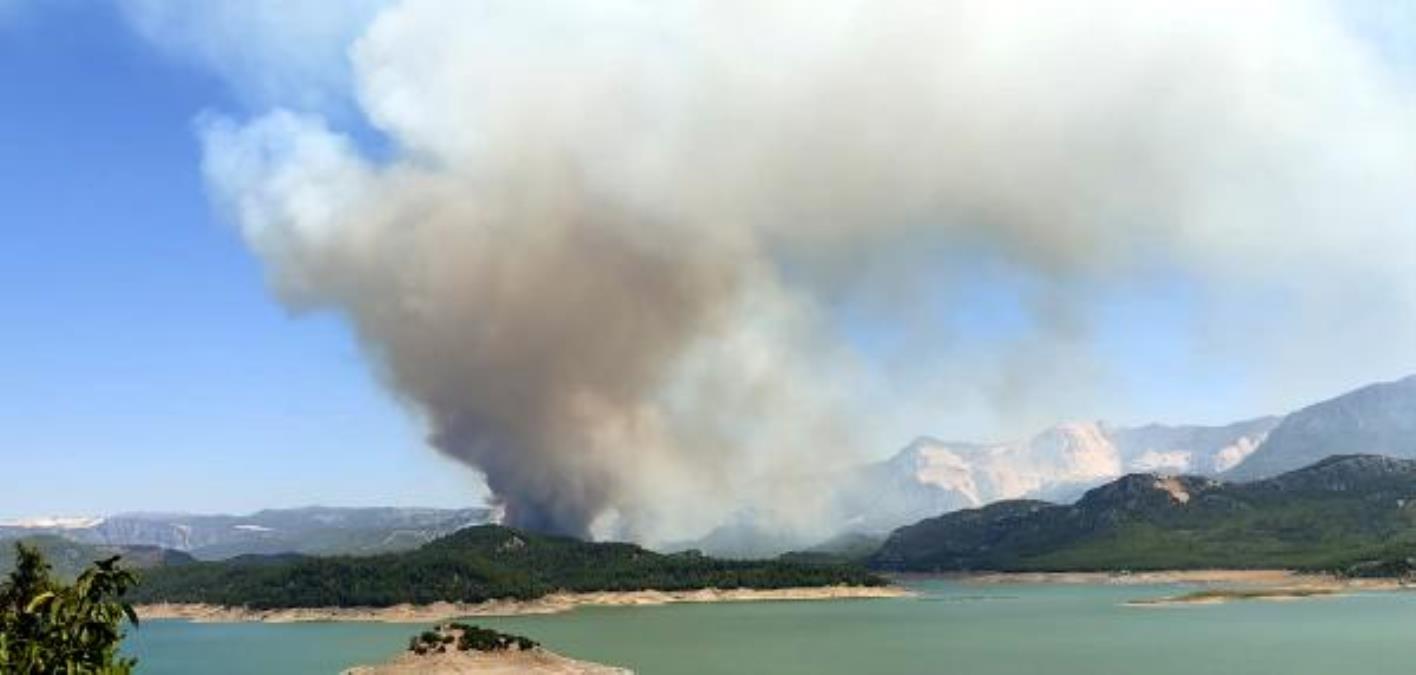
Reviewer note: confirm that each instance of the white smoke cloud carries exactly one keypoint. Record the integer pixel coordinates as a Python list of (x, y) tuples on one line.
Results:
[(603, 257), (272, 52)]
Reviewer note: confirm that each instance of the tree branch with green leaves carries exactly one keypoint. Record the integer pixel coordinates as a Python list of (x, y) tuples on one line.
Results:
[(47, 627)]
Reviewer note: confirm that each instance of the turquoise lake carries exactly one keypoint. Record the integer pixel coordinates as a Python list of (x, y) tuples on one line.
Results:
[(949, 628)]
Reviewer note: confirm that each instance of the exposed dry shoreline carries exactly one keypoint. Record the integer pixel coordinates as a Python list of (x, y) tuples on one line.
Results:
[(1215, 576), (1216, 596), (538, 661), (1217, 586), (550, 604)]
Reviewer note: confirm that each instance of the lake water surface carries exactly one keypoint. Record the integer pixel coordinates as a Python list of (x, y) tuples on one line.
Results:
[(950, 628)]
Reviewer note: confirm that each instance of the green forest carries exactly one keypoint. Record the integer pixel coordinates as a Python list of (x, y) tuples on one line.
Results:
[(473, 565), (1351, 515)]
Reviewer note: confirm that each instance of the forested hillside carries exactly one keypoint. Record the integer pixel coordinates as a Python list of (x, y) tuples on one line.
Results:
[(1343, 513), (476, 564)]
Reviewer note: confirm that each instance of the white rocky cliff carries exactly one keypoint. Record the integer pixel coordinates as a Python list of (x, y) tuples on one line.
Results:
[(930, 476)]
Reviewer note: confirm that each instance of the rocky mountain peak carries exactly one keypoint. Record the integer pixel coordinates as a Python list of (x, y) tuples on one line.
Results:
[(1143, 491)]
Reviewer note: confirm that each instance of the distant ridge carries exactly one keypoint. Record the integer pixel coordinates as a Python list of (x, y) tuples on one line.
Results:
[(1338, 512), (1376, 419), (68, 558), (309, 530), (929, 477)]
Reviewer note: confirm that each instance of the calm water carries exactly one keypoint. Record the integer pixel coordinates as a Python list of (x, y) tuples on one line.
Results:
[(952, 628)]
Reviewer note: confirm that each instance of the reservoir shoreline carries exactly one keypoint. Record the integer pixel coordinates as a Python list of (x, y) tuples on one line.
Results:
[(1217, 586), (1259, 577), (554, 603), (1040, 628)]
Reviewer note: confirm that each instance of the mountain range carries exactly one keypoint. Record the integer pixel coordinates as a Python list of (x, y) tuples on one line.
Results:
[(1350, 514), (929, 476), (68, 558), (1340, 513), (1377, 419), (311, 530)]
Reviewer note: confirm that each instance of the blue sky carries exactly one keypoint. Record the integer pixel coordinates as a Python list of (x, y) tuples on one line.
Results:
[(146, 366)]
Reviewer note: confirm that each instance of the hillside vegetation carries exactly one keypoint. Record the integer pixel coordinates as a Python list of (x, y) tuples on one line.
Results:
[(1344, 513), (472, 565), (68, 558)]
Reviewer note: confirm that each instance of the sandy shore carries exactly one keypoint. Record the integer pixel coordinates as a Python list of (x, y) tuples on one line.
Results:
[(534, 662), (1217, 586), (1291, 586), (1219, 576), (550, 604), (1216, 596), (1202, 577)]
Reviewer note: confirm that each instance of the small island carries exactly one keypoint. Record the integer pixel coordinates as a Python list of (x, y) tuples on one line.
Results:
[(1214, 596), (455, 648)]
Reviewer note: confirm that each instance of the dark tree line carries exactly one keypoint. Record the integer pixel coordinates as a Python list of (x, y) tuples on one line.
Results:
[(474, 565)]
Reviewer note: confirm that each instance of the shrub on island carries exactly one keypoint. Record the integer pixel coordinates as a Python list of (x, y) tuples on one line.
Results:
[(467, 638)]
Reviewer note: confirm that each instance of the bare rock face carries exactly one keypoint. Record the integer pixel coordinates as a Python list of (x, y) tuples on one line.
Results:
[(1378, 419), (930, 476), (1190, 449)]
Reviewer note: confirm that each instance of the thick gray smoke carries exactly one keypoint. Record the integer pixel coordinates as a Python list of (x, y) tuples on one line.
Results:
[(590, 358), (601, 256)]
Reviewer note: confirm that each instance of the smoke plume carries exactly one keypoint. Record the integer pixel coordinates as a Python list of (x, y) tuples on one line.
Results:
[(603, 251)]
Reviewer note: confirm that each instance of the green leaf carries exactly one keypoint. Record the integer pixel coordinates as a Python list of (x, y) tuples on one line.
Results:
[(38, 601)]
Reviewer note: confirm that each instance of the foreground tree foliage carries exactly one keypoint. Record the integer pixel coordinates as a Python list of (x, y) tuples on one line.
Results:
[(50, 627)]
